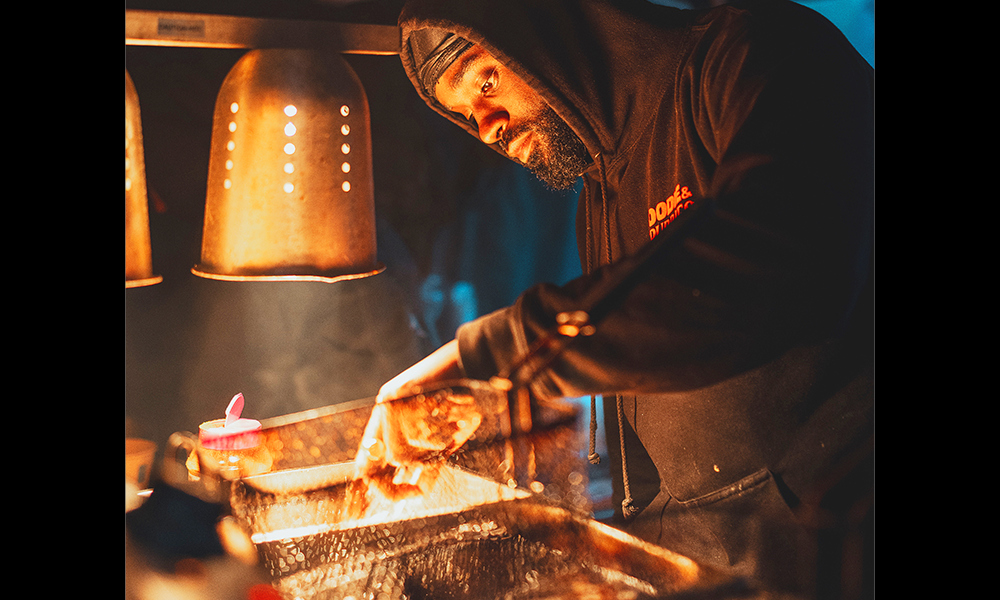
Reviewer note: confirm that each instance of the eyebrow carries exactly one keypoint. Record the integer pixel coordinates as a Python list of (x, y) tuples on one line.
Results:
[(466, 64)]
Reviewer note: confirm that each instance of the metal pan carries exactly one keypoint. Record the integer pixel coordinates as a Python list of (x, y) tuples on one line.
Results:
[(301, 480)]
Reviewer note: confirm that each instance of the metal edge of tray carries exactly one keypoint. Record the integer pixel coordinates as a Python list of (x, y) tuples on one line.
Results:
[(351, 405), (316, 413), (302, 479)]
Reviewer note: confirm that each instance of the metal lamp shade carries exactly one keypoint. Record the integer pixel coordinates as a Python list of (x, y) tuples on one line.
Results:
[(290, 180), (138, 249)]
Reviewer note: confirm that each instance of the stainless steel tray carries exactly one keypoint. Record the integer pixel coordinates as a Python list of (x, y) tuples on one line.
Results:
[(507, 518), (516, 549)]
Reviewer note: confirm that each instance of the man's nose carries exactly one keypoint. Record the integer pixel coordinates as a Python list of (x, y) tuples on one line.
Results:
[(491, 125)]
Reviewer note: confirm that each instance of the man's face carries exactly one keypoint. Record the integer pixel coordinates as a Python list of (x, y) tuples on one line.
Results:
[(508, 111)]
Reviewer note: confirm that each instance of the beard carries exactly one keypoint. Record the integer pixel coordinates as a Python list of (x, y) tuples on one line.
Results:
[(559, 156)]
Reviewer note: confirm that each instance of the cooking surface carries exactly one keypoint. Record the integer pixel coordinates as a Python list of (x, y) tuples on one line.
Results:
[(512, 549), (505, 518)]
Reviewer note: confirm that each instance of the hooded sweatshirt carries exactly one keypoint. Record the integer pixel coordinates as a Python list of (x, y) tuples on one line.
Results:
[(742, 359)]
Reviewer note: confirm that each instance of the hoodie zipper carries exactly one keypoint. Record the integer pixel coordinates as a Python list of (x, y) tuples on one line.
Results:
[(628, 506)]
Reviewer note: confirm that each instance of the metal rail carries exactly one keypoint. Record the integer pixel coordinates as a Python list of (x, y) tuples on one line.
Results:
[(193, 30)]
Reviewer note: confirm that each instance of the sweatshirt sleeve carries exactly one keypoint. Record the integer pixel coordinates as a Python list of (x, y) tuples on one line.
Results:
[(781, 262)]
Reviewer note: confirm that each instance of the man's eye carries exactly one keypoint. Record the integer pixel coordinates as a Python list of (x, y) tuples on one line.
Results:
[(490, 84)]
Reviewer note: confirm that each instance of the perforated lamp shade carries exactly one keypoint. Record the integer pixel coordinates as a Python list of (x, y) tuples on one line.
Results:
[(290, 180), (138, 249)]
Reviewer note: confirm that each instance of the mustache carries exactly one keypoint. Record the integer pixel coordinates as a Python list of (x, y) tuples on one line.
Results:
[(512, 133)]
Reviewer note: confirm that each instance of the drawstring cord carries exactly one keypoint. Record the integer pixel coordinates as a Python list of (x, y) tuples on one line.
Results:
[(628, 508), (593, 456)]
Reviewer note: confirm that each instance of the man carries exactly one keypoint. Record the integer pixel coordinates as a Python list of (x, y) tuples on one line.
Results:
[(740, 367)]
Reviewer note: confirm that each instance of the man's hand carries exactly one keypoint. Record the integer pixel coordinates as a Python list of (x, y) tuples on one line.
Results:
[(410, 433), (441, 365)]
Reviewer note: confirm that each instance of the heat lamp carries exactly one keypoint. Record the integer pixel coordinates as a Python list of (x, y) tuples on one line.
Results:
[(138, 248), (289, 191)]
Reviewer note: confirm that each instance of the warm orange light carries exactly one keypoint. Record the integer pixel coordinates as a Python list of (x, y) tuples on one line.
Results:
[(272, 210)]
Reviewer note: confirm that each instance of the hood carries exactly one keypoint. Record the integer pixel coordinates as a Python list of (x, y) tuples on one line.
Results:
[(590, 61)]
